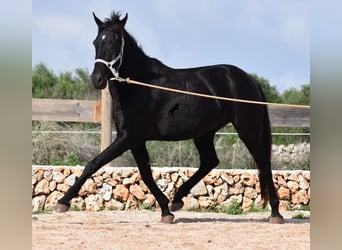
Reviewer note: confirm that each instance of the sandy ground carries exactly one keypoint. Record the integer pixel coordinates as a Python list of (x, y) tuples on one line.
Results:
[(191, 230)]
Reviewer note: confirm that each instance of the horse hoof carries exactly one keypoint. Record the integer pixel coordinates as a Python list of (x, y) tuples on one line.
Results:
[(176, 206), (60, 208), (276, 220), (167, 219)]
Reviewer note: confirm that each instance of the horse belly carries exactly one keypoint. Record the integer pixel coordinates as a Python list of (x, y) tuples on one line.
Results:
[(188, 120)]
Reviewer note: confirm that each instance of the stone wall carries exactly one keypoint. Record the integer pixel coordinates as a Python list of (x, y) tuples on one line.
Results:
[(122, 188), (291, 155)]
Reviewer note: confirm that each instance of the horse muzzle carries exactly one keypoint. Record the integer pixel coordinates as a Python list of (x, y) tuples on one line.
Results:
[(98, 81)]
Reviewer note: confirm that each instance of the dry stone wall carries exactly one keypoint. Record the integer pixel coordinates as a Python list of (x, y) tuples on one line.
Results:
[(122, 188), (291, 155)]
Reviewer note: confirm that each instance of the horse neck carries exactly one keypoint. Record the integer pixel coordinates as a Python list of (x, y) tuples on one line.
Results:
[(136, 64)]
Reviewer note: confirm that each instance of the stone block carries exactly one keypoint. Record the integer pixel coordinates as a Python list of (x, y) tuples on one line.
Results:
[(94, 202), (98, 179), (250, 193), (283, 193), (78, 202), (246, 204), (150, 200), (121, 193), (137, 192), (293, 186), (89, 187), (205, 202), (248, 179), (227, 178), (190, 203), (52, 199), (38, 203), (113, 205), (70, 180), (199, 189), (63, 187), (42, 187), (106, 192), (303, 183), (300, 197), (58, 176)]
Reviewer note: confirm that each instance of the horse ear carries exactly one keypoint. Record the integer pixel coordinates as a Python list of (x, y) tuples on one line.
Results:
[(124, 20), (98, 21)]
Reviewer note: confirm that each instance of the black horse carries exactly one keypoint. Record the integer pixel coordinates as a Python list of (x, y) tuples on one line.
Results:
[(142, 114)]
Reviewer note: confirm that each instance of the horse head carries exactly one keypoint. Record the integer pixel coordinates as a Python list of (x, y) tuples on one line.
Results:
[(109, 45)]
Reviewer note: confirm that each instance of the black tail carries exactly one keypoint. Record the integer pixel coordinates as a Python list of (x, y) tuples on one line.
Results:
[(267, 142)]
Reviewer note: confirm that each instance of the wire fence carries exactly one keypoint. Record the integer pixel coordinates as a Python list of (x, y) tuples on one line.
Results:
[(114, 132), (76, 147)]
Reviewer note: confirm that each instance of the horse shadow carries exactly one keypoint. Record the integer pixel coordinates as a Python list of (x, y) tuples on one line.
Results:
[(239, 220)]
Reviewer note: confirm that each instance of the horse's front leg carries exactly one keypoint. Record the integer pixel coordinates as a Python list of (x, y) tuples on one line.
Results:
[(208, 161), (142, 159), (118, 147)]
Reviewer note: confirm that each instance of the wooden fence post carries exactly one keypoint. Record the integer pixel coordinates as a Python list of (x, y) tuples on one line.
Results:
[(106, 118)]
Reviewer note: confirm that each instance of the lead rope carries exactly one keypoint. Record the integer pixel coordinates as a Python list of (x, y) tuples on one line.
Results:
[(129, 81)]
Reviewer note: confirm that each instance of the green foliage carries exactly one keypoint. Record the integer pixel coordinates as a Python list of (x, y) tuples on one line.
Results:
[(271, 92), (305, 208), (65, 85), (234, 208), (43, 81), (290, 96), (301, 216), (293, 139), (254, 209), (62, 149), (295, 96), (69, 160), (77, 149), (41, 212), (179, 153), (147, 207), (74, 209)]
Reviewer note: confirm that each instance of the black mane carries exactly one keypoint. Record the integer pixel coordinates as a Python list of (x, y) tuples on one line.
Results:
[(113, 19)]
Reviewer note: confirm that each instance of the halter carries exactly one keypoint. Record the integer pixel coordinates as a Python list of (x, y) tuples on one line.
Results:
[(110, 65)]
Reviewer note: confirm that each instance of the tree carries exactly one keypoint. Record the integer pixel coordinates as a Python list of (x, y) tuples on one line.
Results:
[(88, 90), (67, 85), (43, 81), (305, 94), (295, 96), (271, 92)]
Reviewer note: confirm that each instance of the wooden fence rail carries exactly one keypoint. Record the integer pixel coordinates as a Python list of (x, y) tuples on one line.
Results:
[(66, 110), (100, 111)]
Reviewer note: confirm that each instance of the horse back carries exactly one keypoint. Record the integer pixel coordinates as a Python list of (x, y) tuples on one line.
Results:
[(163, 115)]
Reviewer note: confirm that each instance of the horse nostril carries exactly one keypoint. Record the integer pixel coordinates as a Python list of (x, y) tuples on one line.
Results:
[(97, 79)]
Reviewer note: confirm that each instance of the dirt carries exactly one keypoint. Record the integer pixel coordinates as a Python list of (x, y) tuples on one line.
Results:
[(191, 230)]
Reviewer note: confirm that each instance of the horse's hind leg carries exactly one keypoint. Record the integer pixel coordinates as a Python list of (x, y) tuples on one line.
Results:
[(142, 159), (253, 139), (208, 161)]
